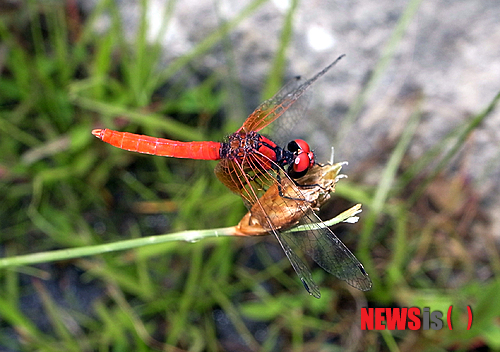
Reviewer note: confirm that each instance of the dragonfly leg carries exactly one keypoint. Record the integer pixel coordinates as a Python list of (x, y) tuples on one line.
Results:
[(282, 195)]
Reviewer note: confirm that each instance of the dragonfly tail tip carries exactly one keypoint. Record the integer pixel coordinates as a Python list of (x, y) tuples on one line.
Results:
[(97, 132)]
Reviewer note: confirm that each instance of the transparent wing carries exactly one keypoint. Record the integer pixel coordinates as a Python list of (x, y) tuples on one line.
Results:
[(284, 128), (273, 108), (250, 179), (299, 266), (321, 244)]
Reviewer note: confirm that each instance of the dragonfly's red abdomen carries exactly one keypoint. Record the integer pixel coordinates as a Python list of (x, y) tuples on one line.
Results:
[(159, 146)]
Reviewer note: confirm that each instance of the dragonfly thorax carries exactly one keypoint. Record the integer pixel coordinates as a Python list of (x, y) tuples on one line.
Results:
[(247, 147), (240, 145)]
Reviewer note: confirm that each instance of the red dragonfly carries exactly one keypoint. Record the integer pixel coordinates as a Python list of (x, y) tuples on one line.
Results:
[(249, 165)]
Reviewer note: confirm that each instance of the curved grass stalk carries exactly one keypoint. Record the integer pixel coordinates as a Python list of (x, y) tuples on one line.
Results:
[(188, 236)]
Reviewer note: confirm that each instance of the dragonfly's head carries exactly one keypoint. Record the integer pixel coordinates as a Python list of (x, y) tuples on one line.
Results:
[(304, 158)]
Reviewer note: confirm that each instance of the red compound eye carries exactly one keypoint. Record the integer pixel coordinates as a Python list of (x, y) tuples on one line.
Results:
[(302, 162), (304, 158), (303, 145)]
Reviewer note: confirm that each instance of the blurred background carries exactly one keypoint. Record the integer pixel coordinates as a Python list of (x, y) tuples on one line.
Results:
[(411, 107)]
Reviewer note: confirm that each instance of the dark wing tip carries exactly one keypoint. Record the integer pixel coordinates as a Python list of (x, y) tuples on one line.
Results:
[(365, 284), (363, 281), (314, 292)]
